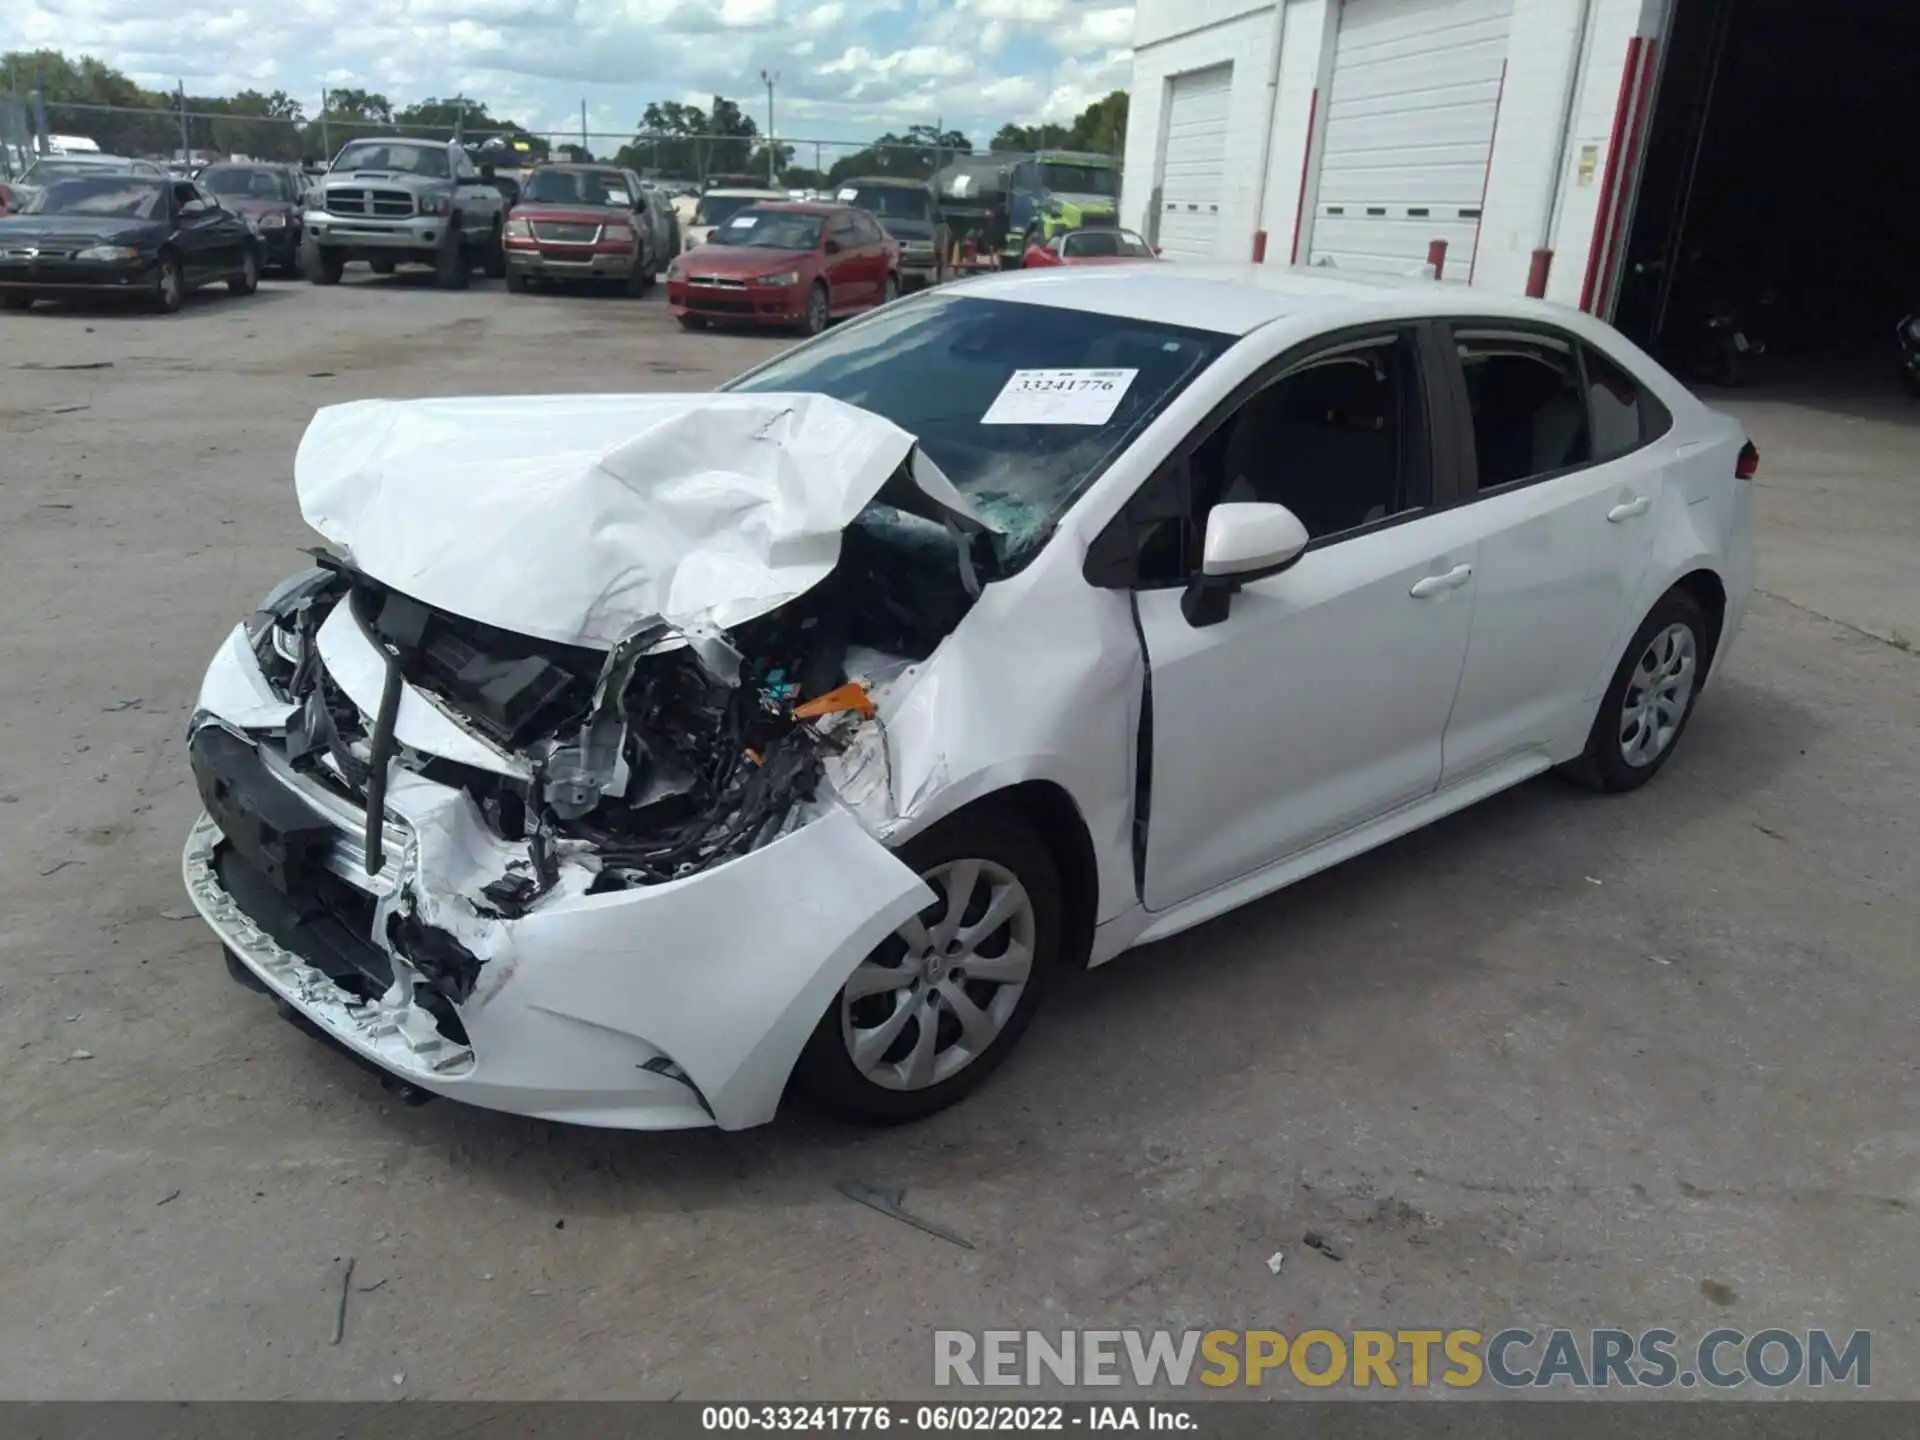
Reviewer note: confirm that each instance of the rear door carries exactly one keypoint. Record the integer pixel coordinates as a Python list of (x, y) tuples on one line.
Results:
[(1565, 489), (874, 267)]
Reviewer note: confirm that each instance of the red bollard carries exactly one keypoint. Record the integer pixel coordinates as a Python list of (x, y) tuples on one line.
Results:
[(1259, 247), (1537, 273), (1437, 256)]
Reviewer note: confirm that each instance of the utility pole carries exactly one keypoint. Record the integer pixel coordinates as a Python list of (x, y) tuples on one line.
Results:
[(186, 135), (773, 145), (585, 154), (326, 139)]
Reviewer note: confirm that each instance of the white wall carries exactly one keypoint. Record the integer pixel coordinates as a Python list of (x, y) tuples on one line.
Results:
[(1230, 32), (1544, 58)]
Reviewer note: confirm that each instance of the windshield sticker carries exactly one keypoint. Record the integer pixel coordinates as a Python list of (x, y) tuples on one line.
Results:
[(619, 197), (1059, 397), (847, 194), (743, 222), (961, 185)]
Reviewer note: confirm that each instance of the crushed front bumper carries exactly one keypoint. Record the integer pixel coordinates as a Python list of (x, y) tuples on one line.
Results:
[(660, 1007)]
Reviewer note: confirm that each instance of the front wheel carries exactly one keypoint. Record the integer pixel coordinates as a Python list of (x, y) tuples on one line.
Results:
[(450, 267), (1650, 700), (17, 302), (890, 291), (818, 313), (640, 278), (938, 1004), (323, 266), (246, 280), (495, 260), (169, 285), (692, 322), (516, 282)]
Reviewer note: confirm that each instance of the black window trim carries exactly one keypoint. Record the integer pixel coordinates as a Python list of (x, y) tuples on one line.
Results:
[(1467, 470), (1109, 560)]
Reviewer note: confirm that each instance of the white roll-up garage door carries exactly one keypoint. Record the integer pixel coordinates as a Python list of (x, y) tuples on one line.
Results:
[(1414, 101), (1193, 169)]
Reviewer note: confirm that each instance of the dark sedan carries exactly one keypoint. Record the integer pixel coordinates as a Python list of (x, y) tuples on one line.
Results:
[(124, 235), (271, 198)]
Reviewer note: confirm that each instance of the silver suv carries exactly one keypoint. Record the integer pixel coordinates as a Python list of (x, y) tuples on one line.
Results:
[(391, 201)]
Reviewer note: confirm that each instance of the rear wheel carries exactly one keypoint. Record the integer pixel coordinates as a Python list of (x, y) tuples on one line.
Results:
[(1650, 700), (938, 1004)]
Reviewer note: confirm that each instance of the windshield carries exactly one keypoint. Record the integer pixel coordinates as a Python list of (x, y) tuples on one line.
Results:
[(42, 171), (1105, 242), (770, 230), (123, 197), (936, 364), (717, 209), (246, 182), (577, 187), (889, 202), (381, 155), (1080, 179)]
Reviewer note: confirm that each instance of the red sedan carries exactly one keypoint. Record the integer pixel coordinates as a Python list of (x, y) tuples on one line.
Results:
[(780, 263), (1101, 246)]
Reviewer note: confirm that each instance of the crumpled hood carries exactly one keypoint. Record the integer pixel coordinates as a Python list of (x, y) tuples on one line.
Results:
[(579, 518)]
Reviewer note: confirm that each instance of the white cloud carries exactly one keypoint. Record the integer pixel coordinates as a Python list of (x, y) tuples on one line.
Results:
[(850, 68)]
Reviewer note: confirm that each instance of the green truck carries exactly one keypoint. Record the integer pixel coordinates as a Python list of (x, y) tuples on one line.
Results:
[(1008, 201)]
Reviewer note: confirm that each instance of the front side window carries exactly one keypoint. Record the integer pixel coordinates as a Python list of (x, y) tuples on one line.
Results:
[(936, 364), (1528, 407), (1340, 440)]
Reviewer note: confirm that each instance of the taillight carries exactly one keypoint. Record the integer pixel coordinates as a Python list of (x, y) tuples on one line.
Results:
[(1748, 465)]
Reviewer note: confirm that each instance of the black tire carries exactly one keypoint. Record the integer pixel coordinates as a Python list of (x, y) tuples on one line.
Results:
[(452, 267), (942, 242), (819, 312), (246, 280), (516, 282), (17, 302), (169, 285), (640, 278), (494, 260), (323, 266), (1604, 765), (826, 1072), (380, 267), (692, 322), (890, 291)]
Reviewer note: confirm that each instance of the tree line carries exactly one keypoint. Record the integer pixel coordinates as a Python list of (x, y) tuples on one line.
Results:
[(672, 138)]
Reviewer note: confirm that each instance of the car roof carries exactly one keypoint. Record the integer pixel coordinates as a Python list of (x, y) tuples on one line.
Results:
[(735, 193), (1236, 299), (804, 207), (899, 181)]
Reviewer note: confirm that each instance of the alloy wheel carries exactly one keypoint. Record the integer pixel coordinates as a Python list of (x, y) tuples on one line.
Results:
[(1657, 695), (817, 315), (170, 291), (936, 994)]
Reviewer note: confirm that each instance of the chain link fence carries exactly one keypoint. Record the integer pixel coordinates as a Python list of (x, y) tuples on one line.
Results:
[(167, 132)]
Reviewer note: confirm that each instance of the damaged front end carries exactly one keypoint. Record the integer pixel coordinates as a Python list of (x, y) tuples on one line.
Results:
[(604, 883)]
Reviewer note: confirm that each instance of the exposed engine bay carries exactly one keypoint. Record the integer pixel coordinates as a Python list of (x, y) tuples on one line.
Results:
[(670, 753)]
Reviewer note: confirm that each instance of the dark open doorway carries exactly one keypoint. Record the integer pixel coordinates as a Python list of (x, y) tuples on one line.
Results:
[(1781, 183)]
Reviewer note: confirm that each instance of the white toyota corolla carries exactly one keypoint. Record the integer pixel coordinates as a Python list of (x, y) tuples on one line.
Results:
[(628, 759)]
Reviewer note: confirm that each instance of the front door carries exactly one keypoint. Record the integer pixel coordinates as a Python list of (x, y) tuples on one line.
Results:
[(1567, 506), (844, 283), (1321, 700), (200, 232)]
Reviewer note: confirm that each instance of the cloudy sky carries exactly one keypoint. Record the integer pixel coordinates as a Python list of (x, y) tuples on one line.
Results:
[(849, 69)]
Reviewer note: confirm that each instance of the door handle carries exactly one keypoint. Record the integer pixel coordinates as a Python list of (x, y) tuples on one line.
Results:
[(1435, 584), (1630, 510)]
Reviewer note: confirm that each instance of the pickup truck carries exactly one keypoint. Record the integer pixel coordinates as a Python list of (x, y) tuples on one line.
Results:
[(391, 201)]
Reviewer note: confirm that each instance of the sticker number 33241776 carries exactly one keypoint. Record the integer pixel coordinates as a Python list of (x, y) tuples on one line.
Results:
[(1059, 397)]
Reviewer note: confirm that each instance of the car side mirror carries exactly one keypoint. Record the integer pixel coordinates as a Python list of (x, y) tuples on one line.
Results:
[(832, 247), (1246, 540)]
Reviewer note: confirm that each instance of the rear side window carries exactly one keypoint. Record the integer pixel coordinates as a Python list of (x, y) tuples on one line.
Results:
[(1625, 416), (1528, 406)]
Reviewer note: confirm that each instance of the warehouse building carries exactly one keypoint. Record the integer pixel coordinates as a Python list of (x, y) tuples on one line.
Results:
[(1643, 159)]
